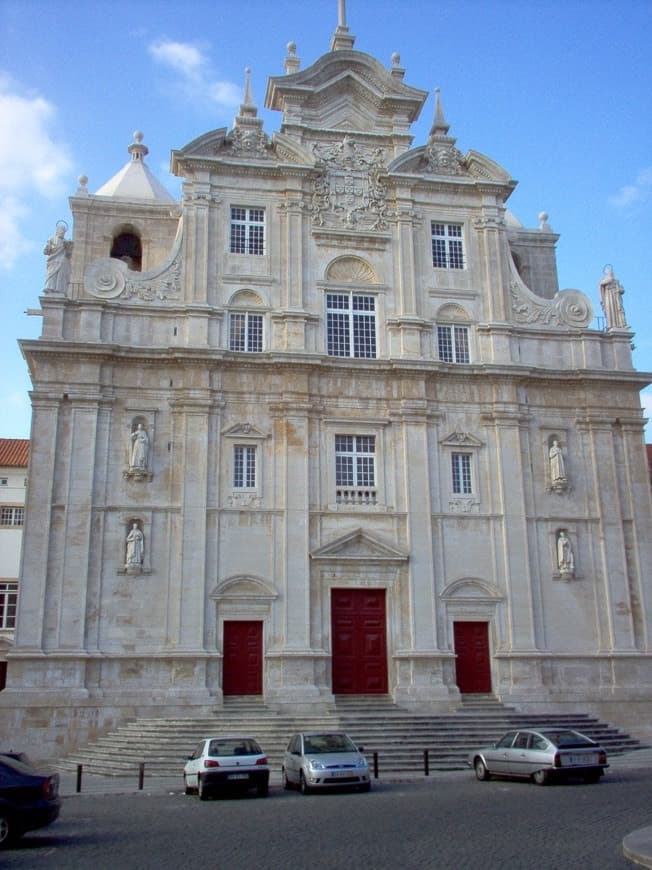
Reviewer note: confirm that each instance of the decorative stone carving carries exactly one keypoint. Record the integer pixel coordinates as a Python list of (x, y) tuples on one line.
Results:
[(566, 308), (248, 142), (350, 188), (58, 251), (611, 299), (135, 550), (443, 158), (565, 558), (351, 269), (108, 278)]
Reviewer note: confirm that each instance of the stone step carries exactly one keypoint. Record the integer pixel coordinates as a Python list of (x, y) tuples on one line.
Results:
[(398, 736)]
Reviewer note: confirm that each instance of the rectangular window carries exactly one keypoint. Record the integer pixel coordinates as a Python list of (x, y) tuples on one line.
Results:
[(447, 246), (8, 604), (246, 332), (247, 230), (12, 516), (461, 469), (355, 469), (244, 467), (453, 344), (351, 325), (4, 481)]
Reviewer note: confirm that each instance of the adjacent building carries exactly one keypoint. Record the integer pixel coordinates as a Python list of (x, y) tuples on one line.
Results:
[(14, 460), (326, 426)]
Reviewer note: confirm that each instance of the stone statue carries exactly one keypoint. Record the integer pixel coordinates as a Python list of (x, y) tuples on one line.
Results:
[(135, 548), (557, 466), (611, 299), (565, 560), (139, 448), (58, 252)]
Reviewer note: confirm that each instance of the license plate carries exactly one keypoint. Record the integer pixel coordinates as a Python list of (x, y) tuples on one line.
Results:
[(339, 773), (238, 776), (580, 759)]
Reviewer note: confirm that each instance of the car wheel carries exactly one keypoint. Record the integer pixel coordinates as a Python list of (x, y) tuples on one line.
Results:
[(366, 786), (202, 791), (304, 788), (6, 831), (263, 789), (287, 785), (188, 788), (481, 771), (541, 777), (592, 776)]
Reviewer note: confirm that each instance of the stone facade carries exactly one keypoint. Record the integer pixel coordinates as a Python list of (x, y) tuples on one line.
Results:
[(327, 425)]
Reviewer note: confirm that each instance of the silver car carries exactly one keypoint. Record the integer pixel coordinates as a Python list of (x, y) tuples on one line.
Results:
[(319, 760), (222, 763), (552, 753)]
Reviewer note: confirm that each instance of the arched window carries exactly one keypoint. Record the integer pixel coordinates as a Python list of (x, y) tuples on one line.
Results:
[(126, 247)]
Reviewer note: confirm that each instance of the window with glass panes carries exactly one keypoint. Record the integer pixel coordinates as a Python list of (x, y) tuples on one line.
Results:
[(8, 604), (453, 343), (461, 471), (355, 460), (12, 516), (447, 246), (244, 467), (351, 325), (247, 230), (246, 332)]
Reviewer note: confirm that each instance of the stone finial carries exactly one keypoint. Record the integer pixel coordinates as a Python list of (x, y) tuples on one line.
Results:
[(82, 190), (397, 71), (439, 126), (137, 150), (544, 226), (292, 62), (342, 38)]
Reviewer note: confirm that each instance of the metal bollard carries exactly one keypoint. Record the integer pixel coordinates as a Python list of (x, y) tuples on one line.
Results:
[(426, 763), (141, 775), (375, 765), (79, 777)]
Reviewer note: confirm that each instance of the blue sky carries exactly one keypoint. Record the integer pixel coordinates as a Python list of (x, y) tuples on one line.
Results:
[(559, 93)]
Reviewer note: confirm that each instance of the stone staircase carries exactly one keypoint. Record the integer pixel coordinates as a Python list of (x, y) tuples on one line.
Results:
[(398, 736)]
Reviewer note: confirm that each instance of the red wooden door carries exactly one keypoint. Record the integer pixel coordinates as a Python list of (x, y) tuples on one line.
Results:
[(472, 665), (359, 634), (242, 665)]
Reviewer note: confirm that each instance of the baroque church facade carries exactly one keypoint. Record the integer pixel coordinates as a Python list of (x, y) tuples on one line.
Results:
[(326, 426)]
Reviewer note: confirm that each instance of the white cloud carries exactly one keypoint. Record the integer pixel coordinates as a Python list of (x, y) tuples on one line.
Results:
[(31, 162), (631, 194), (197, 79)]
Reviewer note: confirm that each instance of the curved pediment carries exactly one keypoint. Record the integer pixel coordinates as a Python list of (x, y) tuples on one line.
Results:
[(440, 157), (243, 586), (346, 90), (474, 588)]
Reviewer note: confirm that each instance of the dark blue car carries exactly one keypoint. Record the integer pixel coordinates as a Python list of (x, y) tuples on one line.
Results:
[(29, 798)]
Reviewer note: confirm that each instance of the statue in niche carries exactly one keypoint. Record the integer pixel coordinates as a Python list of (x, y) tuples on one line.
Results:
[(58, 251), (557, 466), (611, 299), (135, 549), (139, 449), (565, 559)]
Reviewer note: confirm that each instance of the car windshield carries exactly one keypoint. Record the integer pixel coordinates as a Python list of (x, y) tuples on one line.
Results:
[(317, 743), (567, 739), (234, 746)]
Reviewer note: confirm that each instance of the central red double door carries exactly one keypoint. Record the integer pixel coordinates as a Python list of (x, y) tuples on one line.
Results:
[(242, 663), (359, 641)]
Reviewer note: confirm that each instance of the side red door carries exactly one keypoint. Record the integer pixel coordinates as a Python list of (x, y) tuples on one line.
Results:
[(472, 664), (359, 641), (242, 665)]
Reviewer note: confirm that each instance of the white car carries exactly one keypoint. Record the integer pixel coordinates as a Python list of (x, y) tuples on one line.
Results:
[(319, 760), (226, 763)]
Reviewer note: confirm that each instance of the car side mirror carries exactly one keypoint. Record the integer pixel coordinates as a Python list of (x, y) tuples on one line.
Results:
[(360, 748)]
